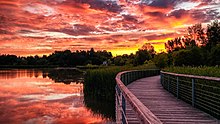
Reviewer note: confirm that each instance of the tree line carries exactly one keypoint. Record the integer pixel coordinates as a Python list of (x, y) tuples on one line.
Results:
[(198, 48), (59, 58), (80, 58)]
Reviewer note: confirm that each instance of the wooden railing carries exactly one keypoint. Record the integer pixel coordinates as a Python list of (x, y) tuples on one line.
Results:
[(123, 95), (200, 91)]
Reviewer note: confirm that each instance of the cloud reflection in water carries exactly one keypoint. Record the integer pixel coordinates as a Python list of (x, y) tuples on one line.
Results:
[(25, 98)]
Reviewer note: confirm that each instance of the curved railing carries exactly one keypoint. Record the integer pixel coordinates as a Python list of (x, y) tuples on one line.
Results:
[(200, 91), (123, 95)]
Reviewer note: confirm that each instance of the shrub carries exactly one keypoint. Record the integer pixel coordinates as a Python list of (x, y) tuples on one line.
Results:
[(161, 60)]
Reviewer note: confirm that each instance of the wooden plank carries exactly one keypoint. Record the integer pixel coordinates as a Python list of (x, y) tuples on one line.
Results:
[(143, 113), (165, 106)]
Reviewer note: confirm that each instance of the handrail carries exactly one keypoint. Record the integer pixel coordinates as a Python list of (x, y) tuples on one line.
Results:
[(201, 92), (192, 76), (144, 115)]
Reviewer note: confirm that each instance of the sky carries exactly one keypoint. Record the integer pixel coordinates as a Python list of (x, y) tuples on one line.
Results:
[(37, 27)]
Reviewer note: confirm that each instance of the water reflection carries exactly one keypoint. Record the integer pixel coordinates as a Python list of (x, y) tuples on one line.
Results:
[(15, 73), (66, 76), (33, 97)]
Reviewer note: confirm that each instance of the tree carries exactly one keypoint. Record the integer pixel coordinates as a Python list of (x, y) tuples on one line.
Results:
[(119, 61), (161, 60), (213, 34), (169, 45), (214, 58), (141, 56), (187, 57), (149, 48), (196, 32), (189, 43)]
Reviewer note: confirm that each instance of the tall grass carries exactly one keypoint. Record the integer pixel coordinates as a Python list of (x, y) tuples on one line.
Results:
[(201, 71), (99, 86), (102, 81)]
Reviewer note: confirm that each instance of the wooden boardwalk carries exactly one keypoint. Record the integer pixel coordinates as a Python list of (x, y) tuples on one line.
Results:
[(164, 105)]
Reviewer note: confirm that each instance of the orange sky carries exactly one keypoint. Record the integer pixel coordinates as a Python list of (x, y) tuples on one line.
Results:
[(29, 27)]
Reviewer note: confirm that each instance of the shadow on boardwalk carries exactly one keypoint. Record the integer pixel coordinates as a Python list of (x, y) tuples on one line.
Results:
[(164, 105)]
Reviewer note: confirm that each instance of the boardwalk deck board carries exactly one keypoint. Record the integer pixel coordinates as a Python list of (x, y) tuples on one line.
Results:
[(164, 105)]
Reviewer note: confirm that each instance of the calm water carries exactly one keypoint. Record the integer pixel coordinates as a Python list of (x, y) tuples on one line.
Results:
[(35, 97)]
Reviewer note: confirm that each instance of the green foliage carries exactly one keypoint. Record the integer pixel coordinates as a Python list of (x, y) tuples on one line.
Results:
[(191, 57), (213, 34), (101, 82), (123, 60), (161, 60), (202, 71), (99, 87), (141, 56), (196, 49), (119, 61), (214, 57), (182, 57)]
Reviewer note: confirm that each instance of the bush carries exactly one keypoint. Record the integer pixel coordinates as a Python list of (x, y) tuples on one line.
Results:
[(181, 58), (202, 70), (188, 57), (214, 58), (141, 56), (161, 60)]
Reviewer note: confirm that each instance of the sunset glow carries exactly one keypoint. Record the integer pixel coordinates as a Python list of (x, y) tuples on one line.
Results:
[(28, 97), (119, 26)]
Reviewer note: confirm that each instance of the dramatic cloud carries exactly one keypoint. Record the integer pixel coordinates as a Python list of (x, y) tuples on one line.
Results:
[(41, 27)]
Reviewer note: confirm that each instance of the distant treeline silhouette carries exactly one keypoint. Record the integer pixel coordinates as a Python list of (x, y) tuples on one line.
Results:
[(198, 47), (77, 58), (59, 58)]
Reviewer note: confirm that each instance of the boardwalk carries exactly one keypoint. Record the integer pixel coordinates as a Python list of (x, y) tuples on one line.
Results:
[(164, 105)]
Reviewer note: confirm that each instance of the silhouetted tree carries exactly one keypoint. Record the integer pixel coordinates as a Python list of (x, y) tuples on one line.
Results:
[(196, 32), (141, 56), (149, 48), (213, 34)]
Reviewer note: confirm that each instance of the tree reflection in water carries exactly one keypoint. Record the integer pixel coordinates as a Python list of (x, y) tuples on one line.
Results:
[(66, 75), (105, 107)]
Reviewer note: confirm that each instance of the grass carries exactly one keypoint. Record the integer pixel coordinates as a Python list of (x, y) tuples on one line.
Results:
[(99, 85), (102, 81), (201, 71)]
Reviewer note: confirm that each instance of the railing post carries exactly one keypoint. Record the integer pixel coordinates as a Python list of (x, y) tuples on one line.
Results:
[(161, 78), (168, 85), (177, 87), (124, 110), (127, 82), (193, 92), (118, 113)]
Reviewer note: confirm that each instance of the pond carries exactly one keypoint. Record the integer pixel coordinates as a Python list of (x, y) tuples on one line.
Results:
[(54, 96)]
